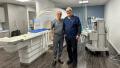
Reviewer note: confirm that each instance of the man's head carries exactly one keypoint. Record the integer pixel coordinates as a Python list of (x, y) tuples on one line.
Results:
[(58, 14), (69, 11)]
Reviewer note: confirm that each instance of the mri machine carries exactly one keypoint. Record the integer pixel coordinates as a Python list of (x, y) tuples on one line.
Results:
[(33, 44)]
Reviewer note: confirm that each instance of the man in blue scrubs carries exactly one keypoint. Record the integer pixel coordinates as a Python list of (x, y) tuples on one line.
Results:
[(72, 30)]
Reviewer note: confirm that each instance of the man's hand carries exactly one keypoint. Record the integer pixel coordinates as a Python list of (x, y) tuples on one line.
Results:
[(64, 35), (52, 34), (52, 38), (77, 37)]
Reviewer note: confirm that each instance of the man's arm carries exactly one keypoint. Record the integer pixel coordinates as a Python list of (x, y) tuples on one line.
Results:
[(52, 29), (79, 27), (63, 26)]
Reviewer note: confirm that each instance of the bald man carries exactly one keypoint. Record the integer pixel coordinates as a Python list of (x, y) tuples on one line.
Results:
[(58, 37)]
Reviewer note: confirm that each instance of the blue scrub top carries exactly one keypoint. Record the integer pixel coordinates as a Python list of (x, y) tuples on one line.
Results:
[(72, 26)]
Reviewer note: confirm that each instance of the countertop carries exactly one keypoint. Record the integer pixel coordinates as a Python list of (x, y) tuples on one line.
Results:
[(1, 31), (23, 37)]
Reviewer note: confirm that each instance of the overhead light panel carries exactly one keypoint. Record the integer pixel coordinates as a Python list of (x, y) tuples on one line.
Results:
[(23, 0), (83, 2)]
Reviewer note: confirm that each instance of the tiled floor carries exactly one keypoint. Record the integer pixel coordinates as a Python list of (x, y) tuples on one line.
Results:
[(85, 60)]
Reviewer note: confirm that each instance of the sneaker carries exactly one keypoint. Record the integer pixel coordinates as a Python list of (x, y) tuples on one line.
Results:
[(54, 63), (61, 62), (69, 62)]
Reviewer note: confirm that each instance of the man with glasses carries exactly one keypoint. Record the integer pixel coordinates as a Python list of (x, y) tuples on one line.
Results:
[(72, 30)]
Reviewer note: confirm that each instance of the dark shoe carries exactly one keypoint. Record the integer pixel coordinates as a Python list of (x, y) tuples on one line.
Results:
[(74, 65), (61, 62), (69, 62), (54, 63)]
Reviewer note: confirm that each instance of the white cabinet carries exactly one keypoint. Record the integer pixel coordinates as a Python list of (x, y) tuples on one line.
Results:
[(2, 14)]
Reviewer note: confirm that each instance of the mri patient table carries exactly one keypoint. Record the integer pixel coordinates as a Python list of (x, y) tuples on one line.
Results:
[(29, 46)]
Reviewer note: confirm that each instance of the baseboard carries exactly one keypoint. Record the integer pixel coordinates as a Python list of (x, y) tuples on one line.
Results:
[(112, 48)]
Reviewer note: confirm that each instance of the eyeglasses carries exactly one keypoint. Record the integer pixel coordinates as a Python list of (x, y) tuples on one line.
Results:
[(68, 10), (60, 14)]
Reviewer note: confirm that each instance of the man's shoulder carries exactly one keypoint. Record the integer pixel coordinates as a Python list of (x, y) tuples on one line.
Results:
[(62, 19), (65, 18), (76, 17), (54, 20)]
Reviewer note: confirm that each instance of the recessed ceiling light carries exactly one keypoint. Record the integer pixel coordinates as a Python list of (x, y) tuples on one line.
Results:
[(23, 0), (83, 2)]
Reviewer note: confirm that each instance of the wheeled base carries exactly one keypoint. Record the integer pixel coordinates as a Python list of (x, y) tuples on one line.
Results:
[(96, 51), (116, 57)]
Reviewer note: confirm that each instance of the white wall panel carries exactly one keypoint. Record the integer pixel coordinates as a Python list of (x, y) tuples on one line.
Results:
[(112, 18)]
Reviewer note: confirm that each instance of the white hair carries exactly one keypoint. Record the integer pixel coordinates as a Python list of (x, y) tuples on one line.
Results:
[(68, 8), (58, 11)]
